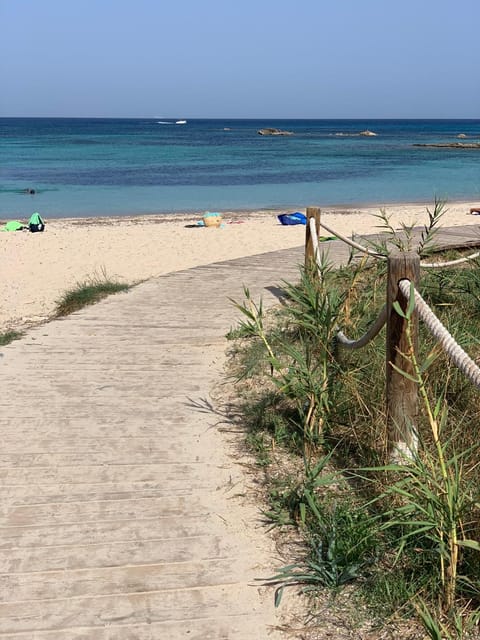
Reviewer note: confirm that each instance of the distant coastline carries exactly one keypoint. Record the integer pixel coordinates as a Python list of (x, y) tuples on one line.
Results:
[(449, 145)]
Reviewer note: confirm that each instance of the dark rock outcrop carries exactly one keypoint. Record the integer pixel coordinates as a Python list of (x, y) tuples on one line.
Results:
[(449, 145), (274, 132)]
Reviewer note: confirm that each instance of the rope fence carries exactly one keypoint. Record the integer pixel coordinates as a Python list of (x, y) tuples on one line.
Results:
[(401, 385), (375, 254), (448, 343), (450, 263), (352, 243), (371, 333)]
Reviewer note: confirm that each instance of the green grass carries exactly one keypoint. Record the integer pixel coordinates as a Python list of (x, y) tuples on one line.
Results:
[(85, 293), (88, 292), (9, 336)]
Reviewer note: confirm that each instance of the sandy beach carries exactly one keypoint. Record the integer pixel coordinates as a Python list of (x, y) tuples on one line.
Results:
[(37, 268)]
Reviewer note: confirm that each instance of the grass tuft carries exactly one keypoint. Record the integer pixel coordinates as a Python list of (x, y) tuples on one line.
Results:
[(9, 336), (88, 292)]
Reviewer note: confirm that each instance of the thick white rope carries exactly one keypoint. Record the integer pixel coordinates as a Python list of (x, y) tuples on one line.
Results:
[(382, 318), (367, 336), (425, 265), (451, 263), (314, 236), (453, 350), (316, 247), (352, 243)]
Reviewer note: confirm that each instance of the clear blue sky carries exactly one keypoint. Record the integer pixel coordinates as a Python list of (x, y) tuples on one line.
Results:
[(240, 58)]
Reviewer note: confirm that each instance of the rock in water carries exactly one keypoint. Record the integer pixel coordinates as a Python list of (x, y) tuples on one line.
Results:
[(271, 131)]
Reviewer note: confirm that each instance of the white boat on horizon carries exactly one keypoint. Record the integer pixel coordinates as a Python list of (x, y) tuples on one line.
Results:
[(181, 122)]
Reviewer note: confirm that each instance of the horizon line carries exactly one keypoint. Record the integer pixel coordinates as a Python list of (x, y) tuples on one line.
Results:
[(69, 117)]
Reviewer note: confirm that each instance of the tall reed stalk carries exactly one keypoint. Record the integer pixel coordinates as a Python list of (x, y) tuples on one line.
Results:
[(431, 498), (300, 357)]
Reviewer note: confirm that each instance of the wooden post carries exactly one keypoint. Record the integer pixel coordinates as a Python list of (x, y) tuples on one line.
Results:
[(402, 393), (312, 212)]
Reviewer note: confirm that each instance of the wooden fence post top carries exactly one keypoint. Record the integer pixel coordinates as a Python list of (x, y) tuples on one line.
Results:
[(402, 265), (407, 256)]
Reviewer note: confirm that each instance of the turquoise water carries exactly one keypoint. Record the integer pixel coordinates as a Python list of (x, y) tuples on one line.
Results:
[(81, 167)]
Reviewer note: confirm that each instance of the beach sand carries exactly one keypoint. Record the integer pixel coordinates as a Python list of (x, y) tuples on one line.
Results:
[(37, 268)]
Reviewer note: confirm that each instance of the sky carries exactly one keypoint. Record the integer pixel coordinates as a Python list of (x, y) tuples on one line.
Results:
[(240, 58)]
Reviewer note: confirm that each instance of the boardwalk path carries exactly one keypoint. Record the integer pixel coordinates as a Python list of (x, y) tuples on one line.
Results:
[(119, 511)]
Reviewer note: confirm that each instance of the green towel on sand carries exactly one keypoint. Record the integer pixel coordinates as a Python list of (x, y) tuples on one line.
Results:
[(13, 225)]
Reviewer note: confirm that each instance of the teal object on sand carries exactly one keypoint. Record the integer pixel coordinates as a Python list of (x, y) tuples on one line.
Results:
[(36, 223), (35, 218)]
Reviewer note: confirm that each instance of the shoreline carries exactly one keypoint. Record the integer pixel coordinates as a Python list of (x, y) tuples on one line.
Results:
[(159, 217), (186, 214), (37, 268)]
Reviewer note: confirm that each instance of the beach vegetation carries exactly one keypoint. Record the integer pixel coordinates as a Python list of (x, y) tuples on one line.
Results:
[(9, 336), (404, 238), (87, 292), (405, 536)]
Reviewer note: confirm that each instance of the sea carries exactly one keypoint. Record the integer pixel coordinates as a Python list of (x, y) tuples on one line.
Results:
[(81, 167)]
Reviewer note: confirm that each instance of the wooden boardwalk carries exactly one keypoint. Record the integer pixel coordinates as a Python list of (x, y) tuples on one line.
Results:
[(118, 511), (120, 516)]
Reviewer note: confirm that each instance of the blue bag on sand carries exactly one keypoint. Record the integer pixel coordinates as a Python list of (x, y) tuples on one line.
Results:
[(292, 218)]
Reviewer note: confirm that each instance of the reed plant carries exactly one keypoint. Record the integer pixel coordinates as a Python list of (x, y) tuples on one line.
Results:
[(342, 542), (299, 353), (404, 238), (421, 518), (429, 502)]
